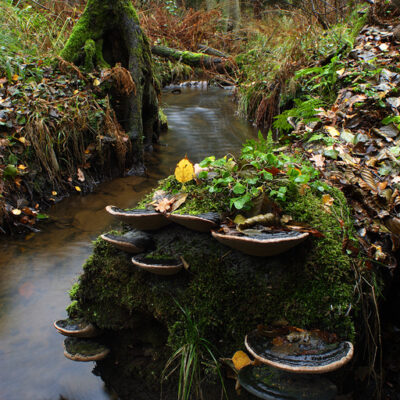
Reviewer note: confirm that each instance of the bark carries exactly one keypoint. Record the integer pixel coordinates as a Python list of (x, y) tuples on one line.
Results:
[(193, 59), (113, 27)]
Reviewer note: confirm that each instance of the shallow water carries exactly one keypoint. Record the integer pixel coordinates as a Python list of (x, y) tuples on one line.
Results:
[(37, 272)]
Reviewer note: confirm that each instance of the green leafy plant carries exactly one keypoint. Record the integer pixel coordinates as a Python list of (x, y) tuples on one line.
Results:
[(195, 354), (304, 110), (259, 170)]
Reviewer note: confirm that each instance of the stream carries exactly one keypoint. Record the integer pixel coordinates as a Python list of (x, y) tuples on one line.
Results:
[(37, 271)]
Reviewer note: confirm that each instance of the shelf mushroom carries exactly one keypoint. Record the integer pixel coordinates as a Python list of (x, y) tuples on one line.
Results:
[(199, 222), (144, 220), (269, 383), (264, 244), (158, 266), (76, 328), (299, 351), (77, 349), (133, 242)]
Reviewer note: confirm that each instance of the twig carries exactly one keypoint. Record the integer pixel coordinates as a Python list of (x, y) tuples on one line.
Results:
[(40, 5)]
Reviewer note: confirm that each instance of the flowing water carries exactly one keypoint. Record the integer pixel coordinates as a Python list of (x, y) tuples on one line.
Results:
[(37, 272)]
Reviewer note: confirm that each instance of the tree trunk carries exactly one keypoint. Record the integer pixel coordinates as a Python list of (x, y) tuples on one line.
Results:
[(232, 14), (110, 28)]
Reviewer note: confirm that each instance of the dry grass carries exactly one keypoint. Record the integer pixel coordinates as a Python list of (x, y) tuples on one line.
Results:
[(121, 78), (186, 31)]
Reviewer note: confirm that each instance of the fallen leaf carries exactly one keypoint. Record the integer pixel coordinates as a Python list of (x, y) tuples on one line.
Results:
[(179, 200), (78, 189), (164, 205), (185, 263), (327, 201), (240, 359), (332, 131), (184, 171), (319, 160)]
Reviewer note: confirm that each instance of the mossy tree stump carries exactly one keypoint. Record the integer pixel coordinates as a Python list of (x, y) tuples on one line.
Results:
[(108, 33)]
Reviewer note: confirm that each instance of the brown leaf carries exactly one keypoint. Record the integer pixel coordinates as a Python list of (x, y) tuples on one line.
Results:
[(164, 205), (368, 179), (178, 201)]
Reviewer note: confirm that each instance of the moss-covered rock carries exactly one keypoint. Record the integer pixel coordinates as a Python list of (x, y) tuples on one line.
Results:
[(227, 293)]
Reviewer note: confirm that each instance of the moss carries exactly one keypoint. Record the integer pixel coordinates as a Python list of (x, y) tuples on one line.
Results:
[(90, 51), (199, 199), (163, 119)]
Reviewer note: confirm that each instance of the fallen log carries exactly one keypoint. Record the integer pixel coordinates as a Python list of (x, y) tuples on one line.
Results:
[(212, 52), (193, 59)]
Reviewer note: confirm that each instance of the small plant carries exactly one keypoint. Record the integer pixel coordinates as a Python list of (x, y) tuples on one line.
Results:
[(304, 110), (190, 359)]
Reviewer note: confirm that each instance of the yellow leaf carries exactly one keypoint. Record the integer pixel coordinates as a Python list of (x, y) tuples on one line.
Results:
[(22, 140), (16, 211), (184, 171), (76, 91), (54, 193), (332, 131), (15, 77), (96, 82), (240, 359), (239, 219), (21, 166), (78, 189), (327, 200)]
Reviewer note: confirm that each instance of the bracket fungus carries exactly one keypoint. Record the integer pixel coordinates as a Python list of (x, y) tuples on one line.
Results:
[(158, 266), (77, 349), (200, 222), (262, 245), (133, 242), (273, 384), (145, 220), (299, 351), (76, 328)]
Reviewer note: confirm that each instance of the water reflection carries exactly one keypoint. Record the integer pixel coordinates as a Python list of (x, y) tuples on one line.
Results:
[(37, 272)]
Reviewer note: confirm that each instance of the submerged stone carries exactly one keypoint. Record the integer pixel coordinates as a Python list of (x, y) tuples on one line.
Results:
[(199, 222), (132, 242), (76, 327), (77, 349), (311, 352), (145, 220), (272, 384), (158, 266), (264, 244)]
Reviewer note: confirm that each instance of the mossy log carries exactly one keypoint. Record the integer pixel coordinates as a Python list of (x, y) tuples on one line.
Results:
[(211, 51), (193, 59), (108, 33)]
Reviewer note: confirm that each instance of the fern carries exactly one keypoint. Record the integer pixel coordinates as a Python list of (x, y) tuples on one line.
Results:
[(304, 110)]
